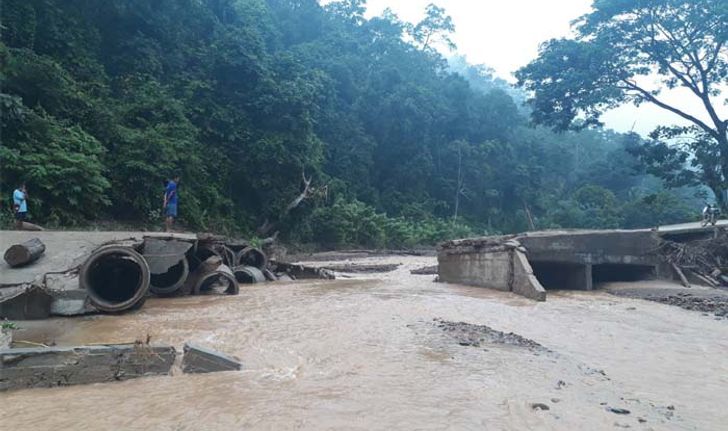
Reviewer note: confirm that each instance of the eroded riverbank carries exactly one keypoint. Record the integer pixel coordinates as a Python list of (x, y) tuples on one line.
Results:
[(365, 353)]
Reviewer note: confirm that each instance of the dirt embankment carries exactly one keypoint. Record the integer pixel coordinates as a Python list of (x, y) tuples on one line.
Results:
[(705, 300)]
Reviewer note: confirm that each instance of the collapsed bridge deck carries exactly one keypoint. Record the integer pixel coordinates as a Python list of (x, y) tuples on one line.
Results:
[(531, 263)]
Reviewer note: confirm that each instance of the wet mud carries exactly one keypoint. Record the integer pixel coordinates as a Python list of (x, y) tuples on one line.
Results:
[(709, 301), (467, 334)]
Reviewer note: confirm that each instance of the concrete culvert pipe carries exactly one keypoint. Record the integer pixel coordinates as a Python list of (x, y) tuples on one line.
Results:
[(202, 253), (216, 281), (115, 278), (251, 256), (248, 275), (229, 257), (169, 283)]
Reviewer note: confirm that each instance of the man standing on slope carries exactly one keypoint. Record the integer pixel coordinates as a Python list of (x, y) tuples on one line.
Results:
[(170, 203), (20, 206)]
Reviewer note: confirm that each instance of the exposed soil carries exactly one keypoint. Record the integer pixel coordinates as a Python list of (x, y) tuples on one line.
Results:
[(467, 334), (362, 268), (705, 300), (425, 270)]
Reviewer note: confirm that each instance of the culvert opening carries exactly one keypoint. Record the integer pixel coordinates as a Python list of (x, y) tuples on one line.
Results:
[(250, 256), (572, 276), (605, 273), (169, 282), (115, 278), (560, 276)]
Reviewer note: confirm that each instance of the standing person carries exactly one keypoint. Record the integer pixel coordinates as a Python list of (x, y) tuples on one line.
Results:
[(20, 205), (170, 203)]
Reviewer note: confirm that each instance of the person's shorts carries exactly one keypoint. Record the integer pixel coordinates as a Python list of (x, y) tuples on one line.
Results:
[(21, 216), (171, 210)]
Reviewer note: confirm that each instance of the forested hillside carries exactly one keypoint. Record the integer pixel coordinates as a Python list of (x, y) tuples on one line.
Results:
[(104, 100)]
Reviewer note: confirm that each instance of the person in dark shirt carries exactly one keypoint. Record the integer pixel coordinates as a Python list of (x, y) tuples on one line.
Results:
[(170, 203)]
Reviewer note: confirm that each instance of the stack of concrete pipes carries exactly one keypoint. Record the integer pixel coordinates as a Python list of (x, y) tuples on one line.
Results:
[(120, 277)]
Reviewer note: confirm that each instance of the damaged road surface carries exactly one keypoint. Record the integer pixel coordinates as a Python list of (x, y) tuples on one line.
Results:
[(326, 354)]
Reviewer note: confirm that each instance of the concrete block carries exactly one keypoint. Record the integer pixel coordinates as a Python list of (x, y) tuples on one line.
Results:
[(45, 367), (198, 359), (71, 303), (68, 298), (524, 282), (6, 337), (24, 302)]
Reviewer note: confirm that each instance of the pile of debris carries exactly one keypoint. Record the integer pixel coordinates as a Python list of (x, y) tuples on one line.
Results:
[(703, 261), (120, 275)]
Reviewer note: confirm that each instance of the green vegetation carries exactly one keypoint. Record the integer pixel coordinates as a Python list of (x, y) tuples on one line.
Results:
[(620, 46), (104, 100)]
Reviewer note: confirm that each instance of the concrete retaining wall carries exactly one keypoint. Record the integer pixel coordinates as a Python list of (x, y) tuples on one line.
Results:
[(484, 269), (63, 366), (503, 268)]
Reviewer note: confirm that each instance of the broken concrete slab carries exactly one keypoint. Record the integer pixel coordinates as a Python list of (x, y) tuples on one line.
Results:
[(67, 250), (523, 281), (68, 299), (6, 338), (362, 267), (302, 272), (24, 302), (198, 359), (44, 367), (75, 302), (162, 254)]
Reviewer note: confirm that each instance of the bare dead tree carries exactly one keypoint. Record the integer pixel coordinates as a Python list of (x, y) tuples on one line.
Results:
[(307, 192)]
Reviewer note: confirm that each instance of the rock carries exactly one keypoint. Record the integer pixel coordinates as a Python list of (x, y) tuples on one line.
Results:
[(618, 411), (44, 367), (540, 406), (198, 359)]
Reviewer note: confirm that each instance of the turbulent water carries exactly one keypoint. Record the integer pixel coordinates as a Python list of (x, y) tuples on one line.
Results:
[(387, 351)]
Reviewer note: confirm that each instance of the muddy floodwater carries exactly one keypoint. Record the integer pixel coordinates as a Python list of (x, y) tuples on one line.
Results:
[(397, 351)]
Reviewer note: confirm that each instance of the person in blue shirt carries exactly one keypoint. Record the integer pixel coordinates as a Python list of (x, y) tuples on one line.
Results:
[(20, 205), (170, 203)]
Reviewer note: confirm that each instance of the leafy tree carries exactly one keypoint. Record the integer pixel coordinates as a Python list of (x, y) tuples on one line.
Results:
[(435, 27), (620, 44)]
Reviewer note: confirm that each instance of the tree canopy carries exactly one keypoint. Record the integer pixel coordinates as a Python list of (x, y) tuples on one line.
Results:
[(619, 47), (258, 105)]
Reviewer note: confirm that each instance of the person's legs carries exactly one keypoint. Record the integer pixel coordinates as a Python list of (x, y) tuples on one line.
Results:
[(171, 214), (19, 219)]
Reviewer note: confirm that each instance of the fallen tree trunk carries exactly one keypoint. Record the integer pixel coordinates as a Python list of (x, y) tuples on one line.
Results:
[(680, 274), (25, 253), (30, 227), (116, 278)]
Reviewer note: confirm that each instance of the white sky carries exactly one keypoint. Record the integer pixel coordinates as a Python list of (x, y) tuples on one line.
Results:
[(505, 35)]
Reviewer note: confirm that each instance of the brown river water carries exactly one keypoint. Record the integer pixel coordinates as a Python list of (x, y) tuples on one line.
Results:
[(364, 353)]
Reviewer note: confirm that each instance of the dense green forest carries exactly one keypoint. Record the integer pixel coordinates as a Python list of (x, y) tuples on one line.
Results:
[(104, 100)]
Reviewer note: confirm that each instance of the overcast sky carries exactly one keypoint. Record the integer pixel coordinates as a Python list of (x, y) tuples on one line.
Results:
[(505, 35)]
